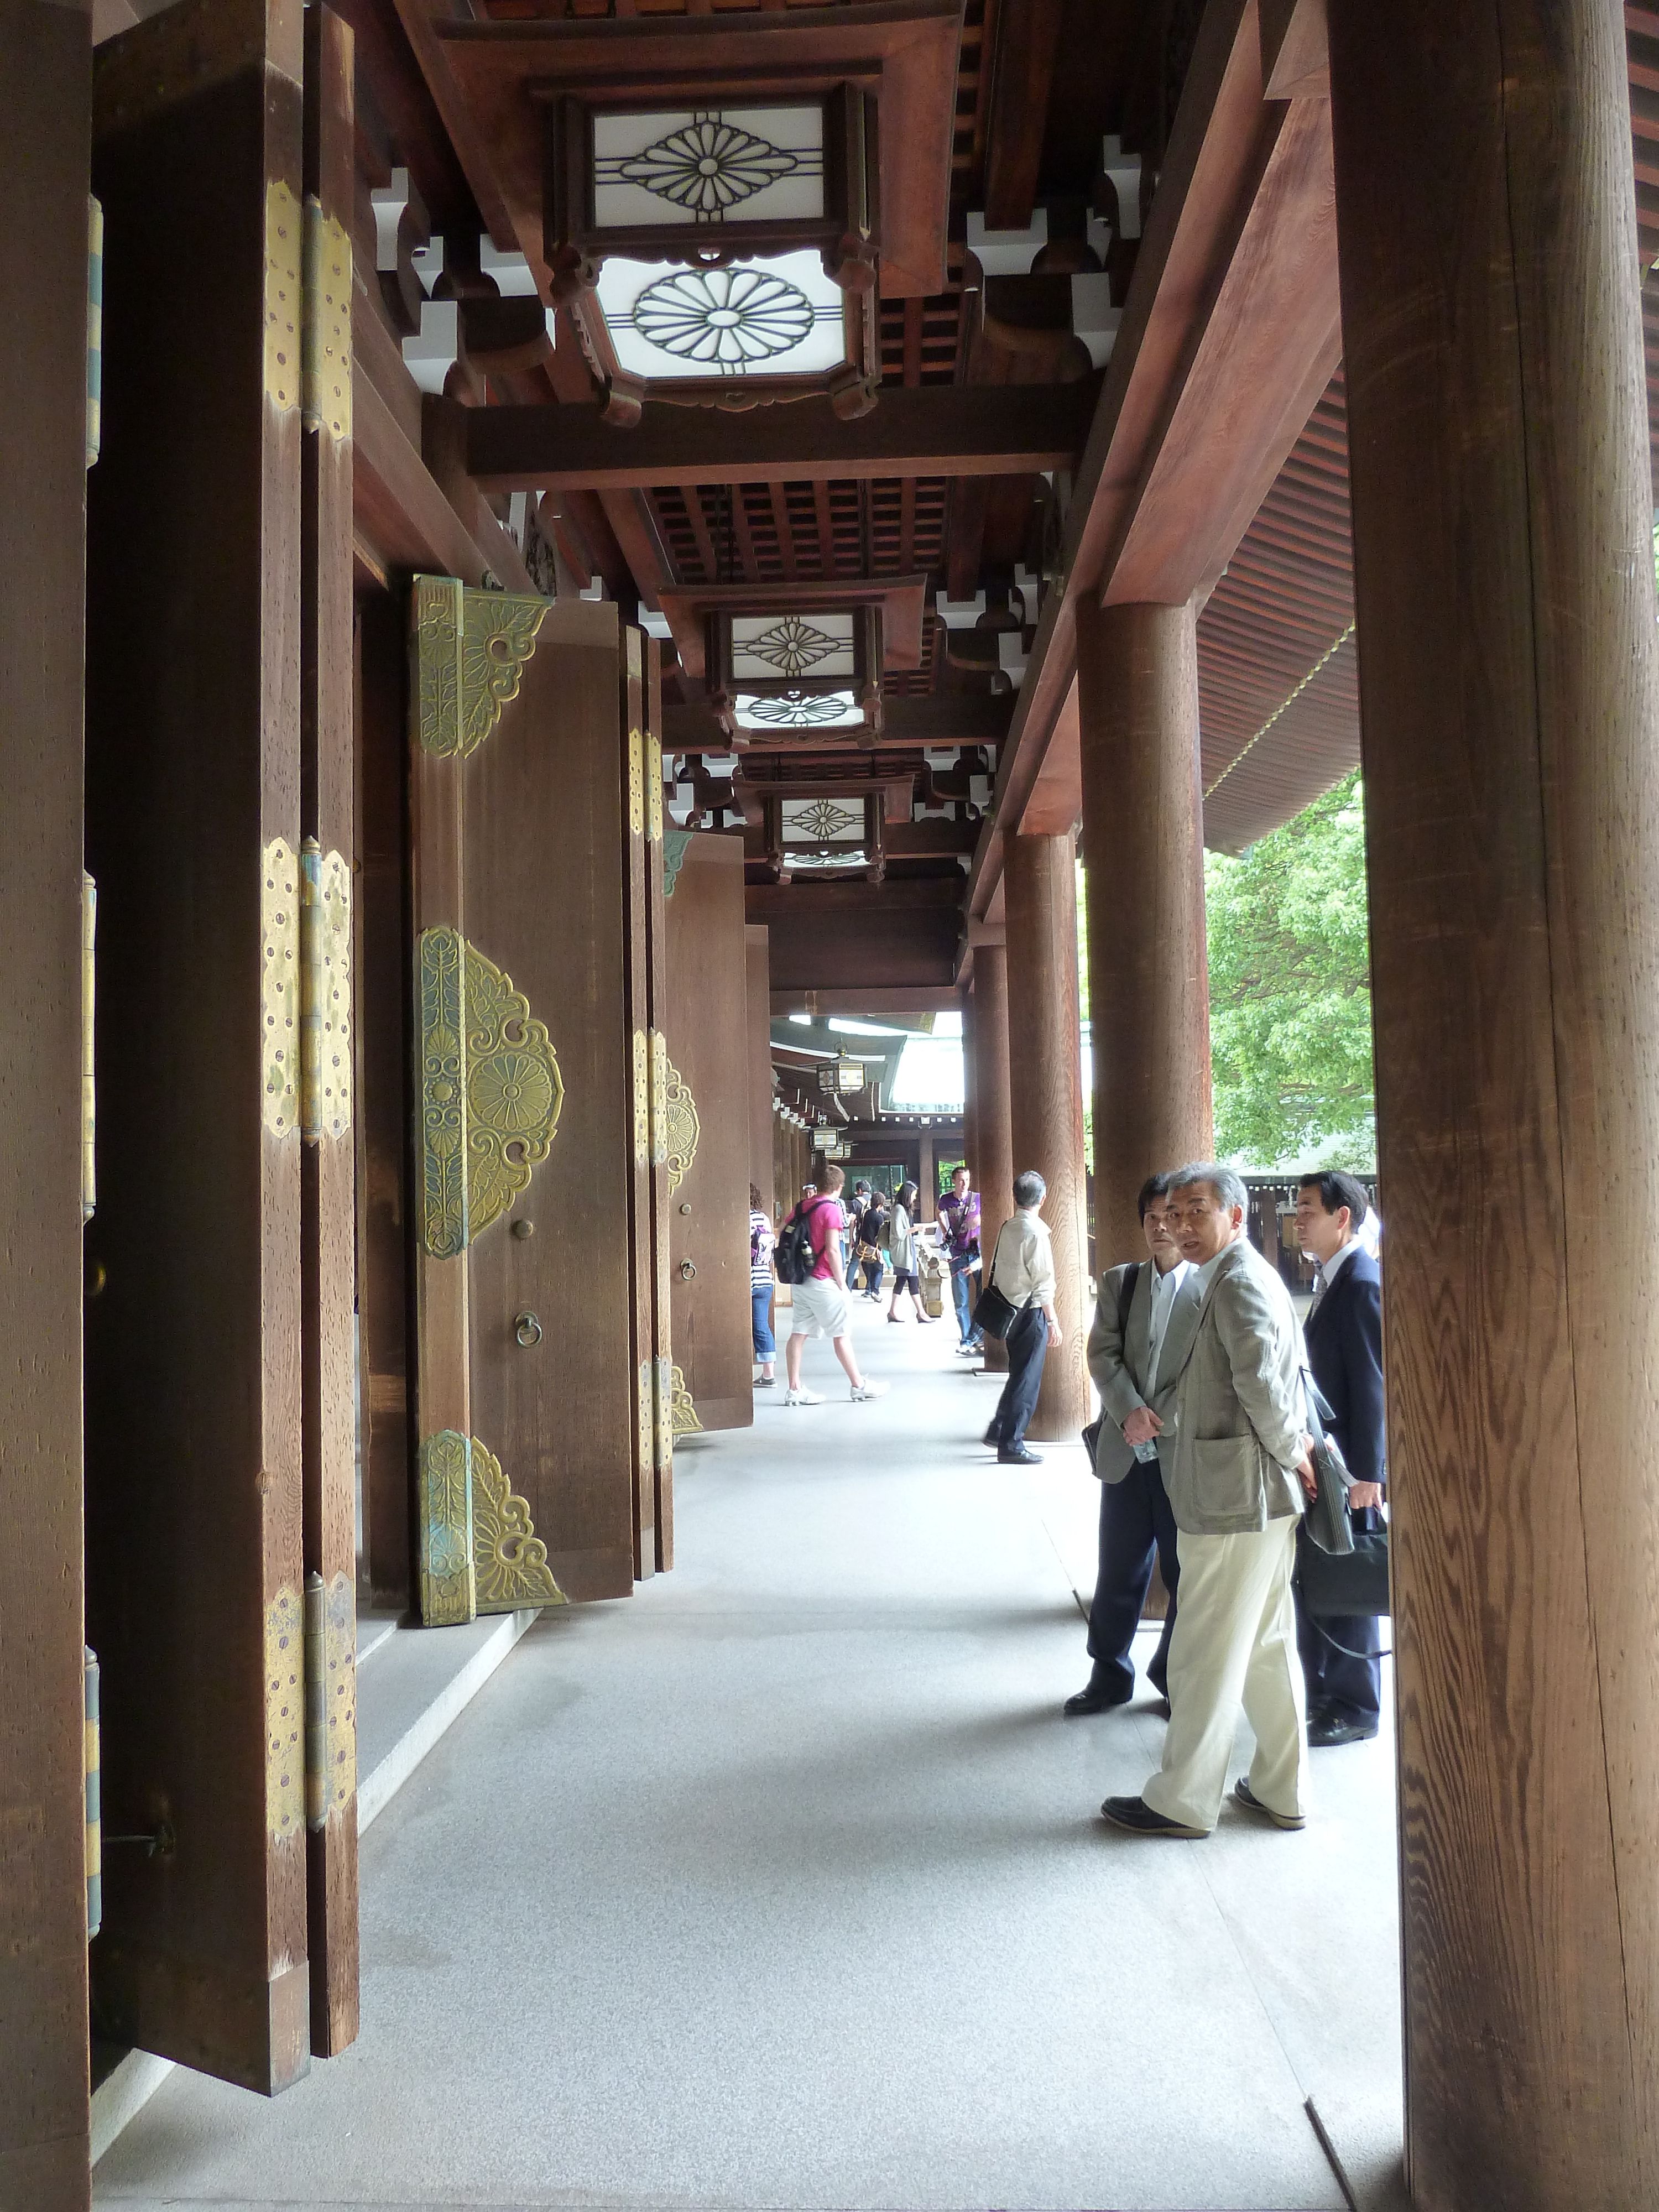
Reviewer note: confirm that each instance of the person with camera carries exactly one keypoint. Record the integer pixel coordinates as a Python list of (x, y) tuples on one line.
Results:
[(1344, 1329)]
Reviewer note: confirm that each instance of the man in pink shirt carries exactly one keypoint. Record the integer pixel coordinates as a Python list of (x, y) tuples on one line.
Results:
[(820, 1306)]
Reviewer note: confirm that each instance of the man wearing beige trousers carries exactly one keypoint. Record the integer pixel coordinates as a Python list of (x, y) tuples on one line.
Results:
[(1236, 1481)]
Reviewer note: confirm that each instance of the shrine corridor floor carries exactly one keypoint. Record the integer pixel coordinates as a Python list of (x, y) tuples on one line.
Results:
[(782, 1884)]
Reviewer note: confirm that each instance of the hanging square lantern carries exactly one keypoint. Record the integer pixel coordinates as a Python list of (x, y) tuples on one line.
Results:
[(818, 668), (721, 253), (712, 181)]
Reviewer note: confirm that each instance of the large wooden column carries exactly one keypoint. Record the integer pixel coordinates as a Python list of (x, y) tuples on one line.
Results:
[(758, 1005), (1510, 689), (706, 1023), (1143, 846), (1046, 1096), (993, 1130), (44, 130)]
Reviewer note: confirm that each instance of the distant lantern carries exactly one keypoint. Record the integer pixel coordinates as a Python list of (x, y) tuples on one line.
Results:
[(725, 253), (811, 668)]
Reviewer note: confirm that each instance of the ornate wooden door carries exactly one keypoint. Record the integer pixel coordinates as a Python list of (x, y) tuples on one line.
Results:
[(539, 1325), (220, 1525), (707, 1041)]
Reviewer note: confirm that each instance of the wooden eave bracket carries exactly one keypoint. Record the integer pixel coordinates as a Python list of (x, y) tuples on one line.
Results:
[(1235, 286)]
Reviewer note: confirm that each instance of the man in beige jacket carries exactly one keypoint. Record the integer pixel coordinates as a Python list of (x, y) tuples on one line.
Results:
[(1236, 1479)]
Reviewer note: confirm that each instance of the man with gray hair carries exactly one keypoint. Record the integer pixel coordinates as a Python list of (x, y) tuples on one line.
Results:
[(1236, 1479), (1023, 1269)]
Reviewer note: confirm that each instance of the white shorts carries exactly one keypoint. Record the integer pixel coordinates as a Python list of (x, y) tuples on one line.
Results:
[(820, 1309)]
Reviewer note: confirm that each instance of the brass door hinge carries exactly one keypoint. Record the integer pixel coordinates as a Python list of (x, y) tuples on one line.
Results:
[(325, 324)]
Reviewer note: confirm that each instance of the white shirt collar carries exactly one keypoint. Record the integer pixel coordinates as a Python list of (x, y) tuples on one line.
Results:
[(1165, 1286), (1333, 1267), (1207, 1273)]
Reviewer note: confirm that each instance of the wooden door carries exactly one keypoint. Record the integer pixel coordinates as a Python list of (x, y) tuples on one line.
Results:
[(220, 1532), (708, 1043), (534, 1356)]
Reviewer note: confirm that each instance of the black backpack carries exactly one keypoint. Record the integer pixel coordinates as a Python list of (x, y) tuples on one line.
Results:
[(794, 1259)]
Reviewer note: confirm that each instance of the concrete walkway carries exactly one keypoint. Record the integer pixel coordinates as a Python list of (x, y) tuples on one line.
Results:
[(781, 1885)]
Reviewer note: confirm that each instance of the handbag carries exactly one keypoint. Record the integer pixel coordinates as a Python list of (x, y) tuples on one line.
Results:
[(1349, 1575), (1326, 1521), (1126, 1294), (995, 1314), (1356, 1584)]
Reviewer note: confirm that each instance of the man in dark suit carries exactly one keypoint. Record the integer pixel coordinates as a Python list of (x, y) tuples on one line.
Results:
[(1344, 1330)]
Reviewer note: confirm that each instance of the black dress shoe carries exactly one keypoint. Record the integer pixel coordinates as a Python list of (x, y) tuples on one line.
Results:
[(1099, 1694), (1334, 1728), (1017, 1456), (992, 1438), (1135, 1814)]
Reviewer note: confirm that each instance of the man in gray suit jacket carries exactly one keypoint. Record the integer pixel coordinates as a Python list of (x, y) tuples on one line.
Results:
[(1135, 1360), (1237, 1478)]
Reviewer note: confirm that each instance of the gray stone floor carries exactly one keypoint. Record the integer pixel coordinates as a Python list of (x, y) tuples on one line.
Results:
[(781, 1885)]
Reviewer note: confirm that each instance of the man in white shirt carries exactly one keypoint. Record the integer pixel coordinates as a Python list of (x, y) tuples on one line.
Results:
[(1023, 1269), (1145, 1317)]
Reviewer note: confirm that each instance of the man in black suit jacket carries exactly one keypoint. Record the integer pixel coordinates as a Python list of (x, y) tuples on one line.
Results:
[(1344, 1332)]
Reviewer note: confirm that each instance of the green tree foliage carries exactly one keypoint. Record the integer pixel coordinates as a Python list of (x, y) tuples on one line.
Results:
[(1290, 991)]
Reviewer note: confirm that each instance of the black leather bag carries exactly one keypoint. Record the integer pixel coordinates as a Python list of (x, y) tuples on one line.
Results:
[(993, 1315), (1356, 1585), (1339, 1572), (1326, 1524)]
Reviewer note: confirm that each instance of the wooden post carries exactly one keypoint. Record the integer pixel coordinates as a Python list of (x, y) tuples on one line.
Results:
[(1143, 845), (1046, 1097), (993, 1131), (45, 132), (1510, 689), (927, 1178), (707, 1025), (759, 1002)]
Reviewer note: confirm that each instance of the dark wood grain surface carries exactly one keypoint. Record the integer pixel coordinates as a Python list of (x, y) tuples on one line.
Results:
[(45, 109), (1143, 851), (994, 1166), (707, 1028), (1045, 1089), (546, 850), (1509, 694), (328, 1186), (194, 1347)]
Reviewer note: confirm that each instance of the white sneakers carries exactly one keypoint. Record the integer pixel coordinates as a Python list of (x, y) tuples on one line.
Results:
[(802, 1398), (861, 1390)]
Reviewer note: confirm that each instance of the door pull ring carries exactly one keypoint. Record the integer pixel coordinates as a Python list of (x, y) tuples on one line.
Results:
[(687, 1271), (528, 1329)]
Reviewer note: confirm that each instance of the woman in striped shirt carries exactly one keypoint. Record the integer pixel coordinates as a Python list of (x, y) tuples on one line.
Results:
[(762, 1242)]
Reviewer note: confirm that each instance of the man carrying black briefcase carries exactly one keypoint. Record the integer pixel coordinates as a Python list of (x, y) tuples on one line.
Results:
[(1340, 1652)]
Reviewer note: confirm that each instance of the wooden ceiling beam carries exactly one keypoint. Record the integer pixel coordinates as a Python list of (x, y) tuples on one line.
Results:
[(1027, 48), (1231, 333), (996, 430), (948, 718)]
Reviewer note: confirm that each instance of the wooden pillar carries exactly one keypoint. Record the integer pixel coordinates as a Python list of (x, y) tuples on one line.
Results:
[(926, 1178), (1143, 845), (44, 108), (1046, 1096), (993, 1132), (969, 1086), (706, 1023), (1510, 692), (759, 1006)]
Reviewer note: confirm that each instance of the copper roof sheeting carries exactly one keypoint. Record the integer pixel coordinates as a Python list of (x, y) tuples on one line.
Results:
[(1279, 701)]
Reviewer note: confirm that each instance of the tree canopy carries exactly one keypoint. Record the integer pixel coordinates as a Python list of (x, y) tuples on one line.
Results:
[(1290, 991)]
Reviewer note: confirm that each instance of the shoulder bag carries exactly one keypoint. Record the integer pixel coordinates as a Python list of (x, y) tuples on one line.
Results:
[(1126, 1298), (1338, 1572), (995, 1314)]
